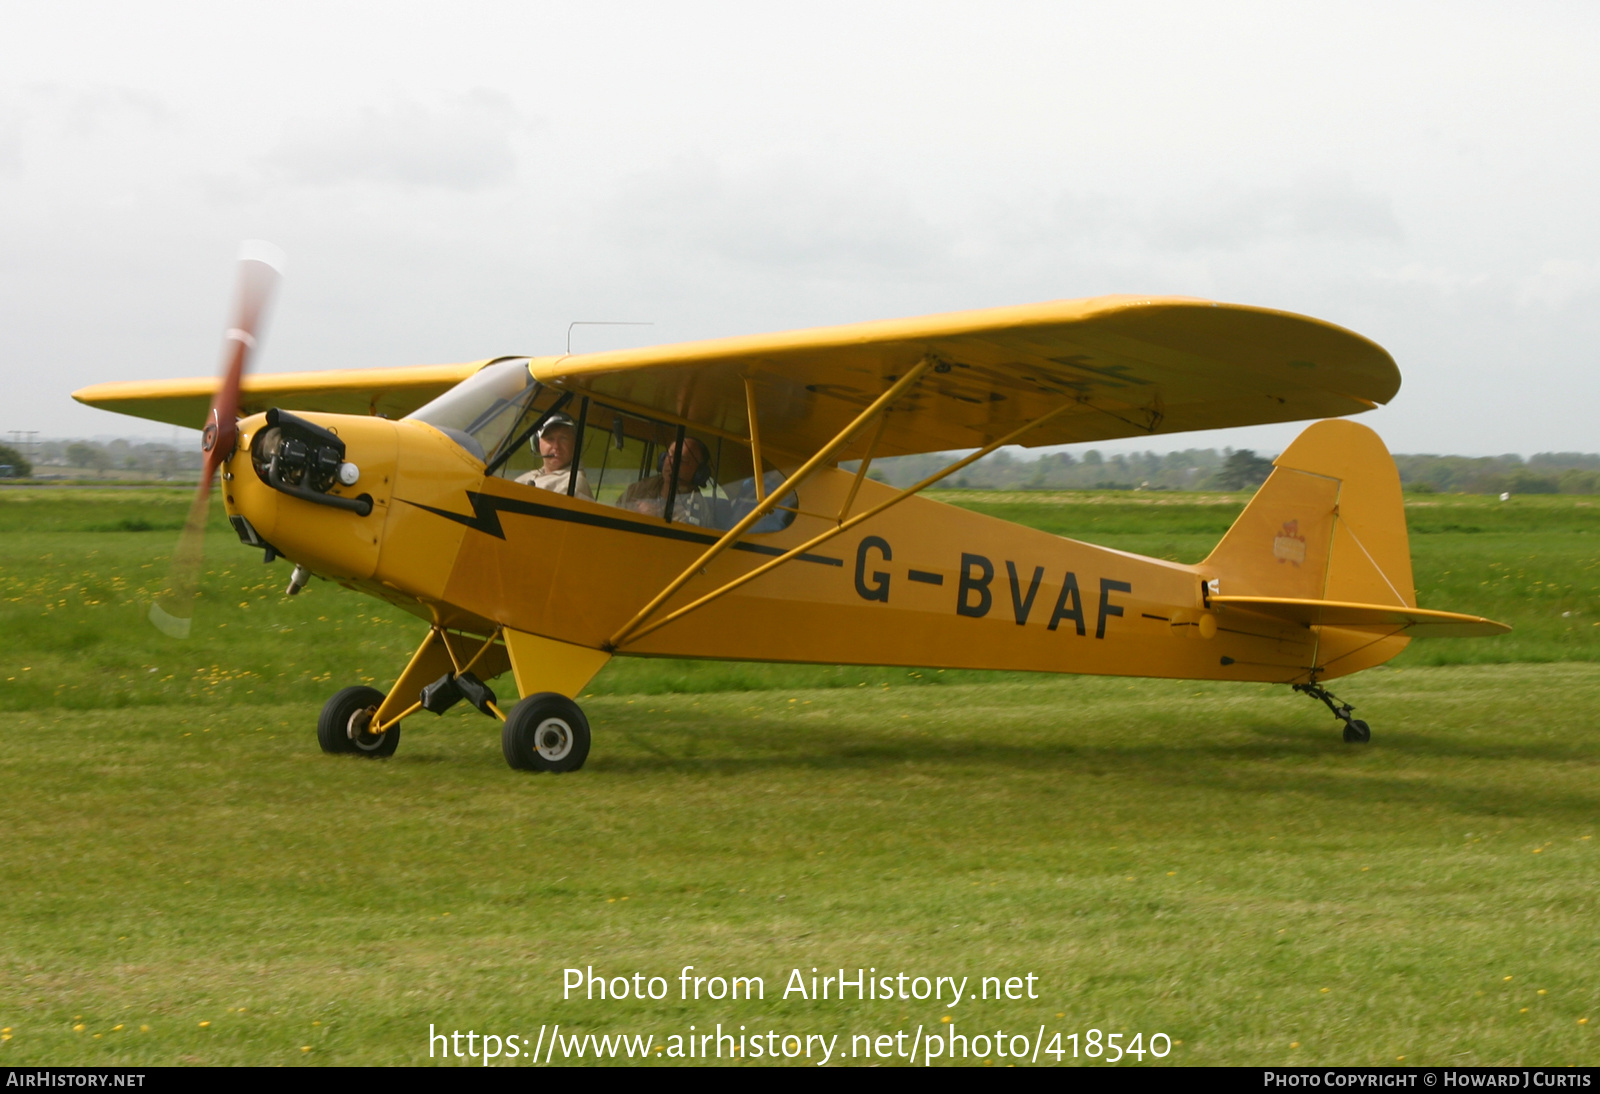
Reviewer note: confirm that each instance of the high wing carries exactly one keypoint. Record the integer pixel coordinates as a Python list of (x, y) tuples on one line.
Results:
[(1129, 366), (1133, 366), (390, 392)]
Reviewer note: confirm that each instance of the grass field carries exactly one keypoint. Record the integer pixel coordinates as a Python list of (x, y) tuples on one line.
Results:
[(188, 879)]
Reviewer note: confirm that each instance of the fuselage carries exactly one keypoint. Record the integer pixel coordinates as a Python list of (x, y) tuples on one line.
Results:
[(921, 584)]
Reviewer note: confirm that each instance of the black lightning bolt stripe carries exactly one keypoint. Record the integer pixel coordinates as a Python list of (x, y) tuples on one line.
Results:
[(486, 510)]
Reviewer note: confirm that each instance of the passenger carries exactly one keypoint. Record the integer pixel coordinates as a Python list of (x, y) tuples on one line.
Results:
[(557, 438), (690, 462)]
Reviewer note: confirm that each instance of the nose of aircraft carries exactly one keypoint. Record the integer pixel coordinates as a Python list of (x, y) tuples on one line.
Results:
[(315, 488)]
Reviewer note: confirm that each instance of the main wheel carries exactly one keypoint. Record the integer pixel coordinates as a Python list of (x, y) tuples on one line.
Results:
[(343, 724), (1357, 732), (545, 732)]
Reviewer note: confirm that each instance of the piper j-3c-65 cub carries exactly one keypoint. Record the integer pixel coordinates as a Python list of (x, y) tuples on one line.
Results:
[(701, 510)]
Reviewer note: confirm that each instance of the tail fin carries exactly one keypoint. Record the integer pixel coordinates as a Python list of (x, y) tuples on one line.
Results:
[(1328, 524)]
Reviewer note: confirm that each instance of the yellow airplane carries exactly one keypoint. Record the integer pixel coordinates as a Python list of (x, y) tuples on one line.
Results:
[(702, 511)]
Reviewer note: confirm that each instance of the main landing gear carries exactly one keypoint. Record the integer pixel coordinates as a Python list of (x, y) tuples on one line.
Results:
[(545, 732), (1356, 731), (345, 724)]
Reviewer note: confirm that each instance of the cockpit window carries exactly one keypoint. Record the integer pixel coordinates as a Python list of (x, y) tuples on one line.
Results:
[(494, 415), (741, 499), (482, 412)]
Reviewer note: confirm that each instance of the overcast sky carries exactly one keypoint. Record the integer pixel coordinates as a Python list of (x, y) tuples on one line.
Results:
[(456, 181)]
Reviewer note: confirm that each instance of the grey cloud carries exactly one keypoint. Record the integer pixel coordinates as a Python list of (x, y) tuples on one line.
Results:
[(42, 113), (1559, 283), (776, 215), (467, 144), (1329, 208), (10, 148), (88, 111)]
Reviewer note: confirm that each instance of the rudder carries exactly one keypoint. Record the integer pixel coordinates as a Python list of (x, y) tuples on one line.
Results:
[(1328, 524)]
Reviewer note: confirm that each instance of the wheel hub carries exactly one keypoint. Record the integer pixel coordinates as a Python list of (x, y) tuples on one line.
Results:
[(359, 723), (553, 739)]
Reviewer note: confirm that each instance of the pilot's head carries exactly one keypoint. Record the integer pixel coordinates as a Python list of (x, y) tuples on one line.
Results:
[(556, 439), (689, 456)]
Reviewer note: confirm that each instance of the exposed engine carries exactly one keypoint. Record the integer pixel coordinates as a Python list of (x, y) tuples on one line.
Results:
[(304, 460)]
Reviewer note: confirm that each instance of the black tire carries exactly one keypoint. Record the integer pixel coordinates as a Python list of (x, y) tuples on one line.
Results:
[(333, 727), (545, 732), (1357, 732)]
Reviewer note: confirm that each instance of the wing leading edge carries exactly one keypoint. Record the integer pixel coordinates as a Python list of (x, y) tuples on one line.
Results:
[(390, 392)]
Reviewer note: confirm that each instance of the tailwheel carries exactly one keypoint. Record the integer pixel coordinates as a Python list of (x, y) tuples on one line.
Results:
[(1356, 731), (545, 732), (343, 726)]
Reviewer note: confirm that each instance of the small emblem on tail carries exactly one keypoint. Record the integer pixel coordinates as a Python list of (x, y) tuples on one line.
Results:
[(1290, 545)]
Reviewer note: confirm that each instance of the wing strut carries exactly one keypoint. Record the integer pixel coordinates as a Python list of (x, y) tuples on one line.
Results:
[(866, 462), (770, 502), (639, 632)]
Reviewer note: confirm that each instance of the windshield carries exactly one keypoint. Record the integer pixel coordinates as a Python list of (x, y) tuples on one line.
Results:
[(481, 413)]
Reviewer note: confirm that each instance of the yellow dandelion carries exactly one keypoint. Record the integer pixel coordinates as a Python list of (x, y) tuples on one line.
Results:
[(204, 1025), (1399, 1057), (1524, 1010), (1508, 978), (1543, 992), (117, 1028), (1294, 1044), (78, 1028), (318, 1022), (946, 1018), (144, 1029), (1061, 1014), (305, 1048), (1325, 991), (1583, 1021)]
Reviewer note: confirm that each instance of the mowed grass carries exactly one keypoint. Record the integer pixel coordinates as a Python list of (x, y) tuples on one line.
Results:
[(1204, 860), (78, 569)]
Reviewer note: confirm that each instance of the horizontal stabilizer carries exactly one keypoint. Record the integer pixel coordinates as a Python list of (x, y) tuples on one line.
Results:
[(1385, 618)]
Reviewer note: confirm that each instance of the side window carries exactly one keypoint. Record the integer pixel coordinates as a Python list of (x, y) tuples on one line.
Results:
[(622, 456), (741, 500), (620, 450), (525, 456)]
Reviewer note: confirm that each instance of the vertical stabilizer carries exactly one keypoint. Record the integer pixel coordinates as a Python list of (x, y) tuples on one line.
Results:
[(1328, 524)]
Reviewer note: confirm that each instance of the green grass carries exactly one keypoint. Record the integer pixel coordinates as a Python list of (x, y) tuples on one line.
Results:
[(1204, 860)]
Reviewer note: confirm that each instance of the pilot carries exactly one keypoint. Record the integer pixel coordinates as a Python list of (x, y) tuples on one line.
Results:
[(557, 438), (690, 461)]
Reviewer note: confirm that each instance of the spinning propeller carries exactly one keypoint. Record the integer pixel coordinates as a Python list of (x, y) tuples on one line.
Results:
[(259, 266)]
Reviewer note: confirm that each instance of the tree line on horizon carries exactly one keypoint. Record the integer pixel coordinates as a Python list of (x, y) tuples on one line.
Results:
[(1007, 469), (1239, 469)]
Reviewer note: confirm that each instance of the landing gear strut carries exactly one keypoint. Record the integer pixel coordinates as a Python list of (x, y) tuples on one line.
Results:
[(1356, 731)]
